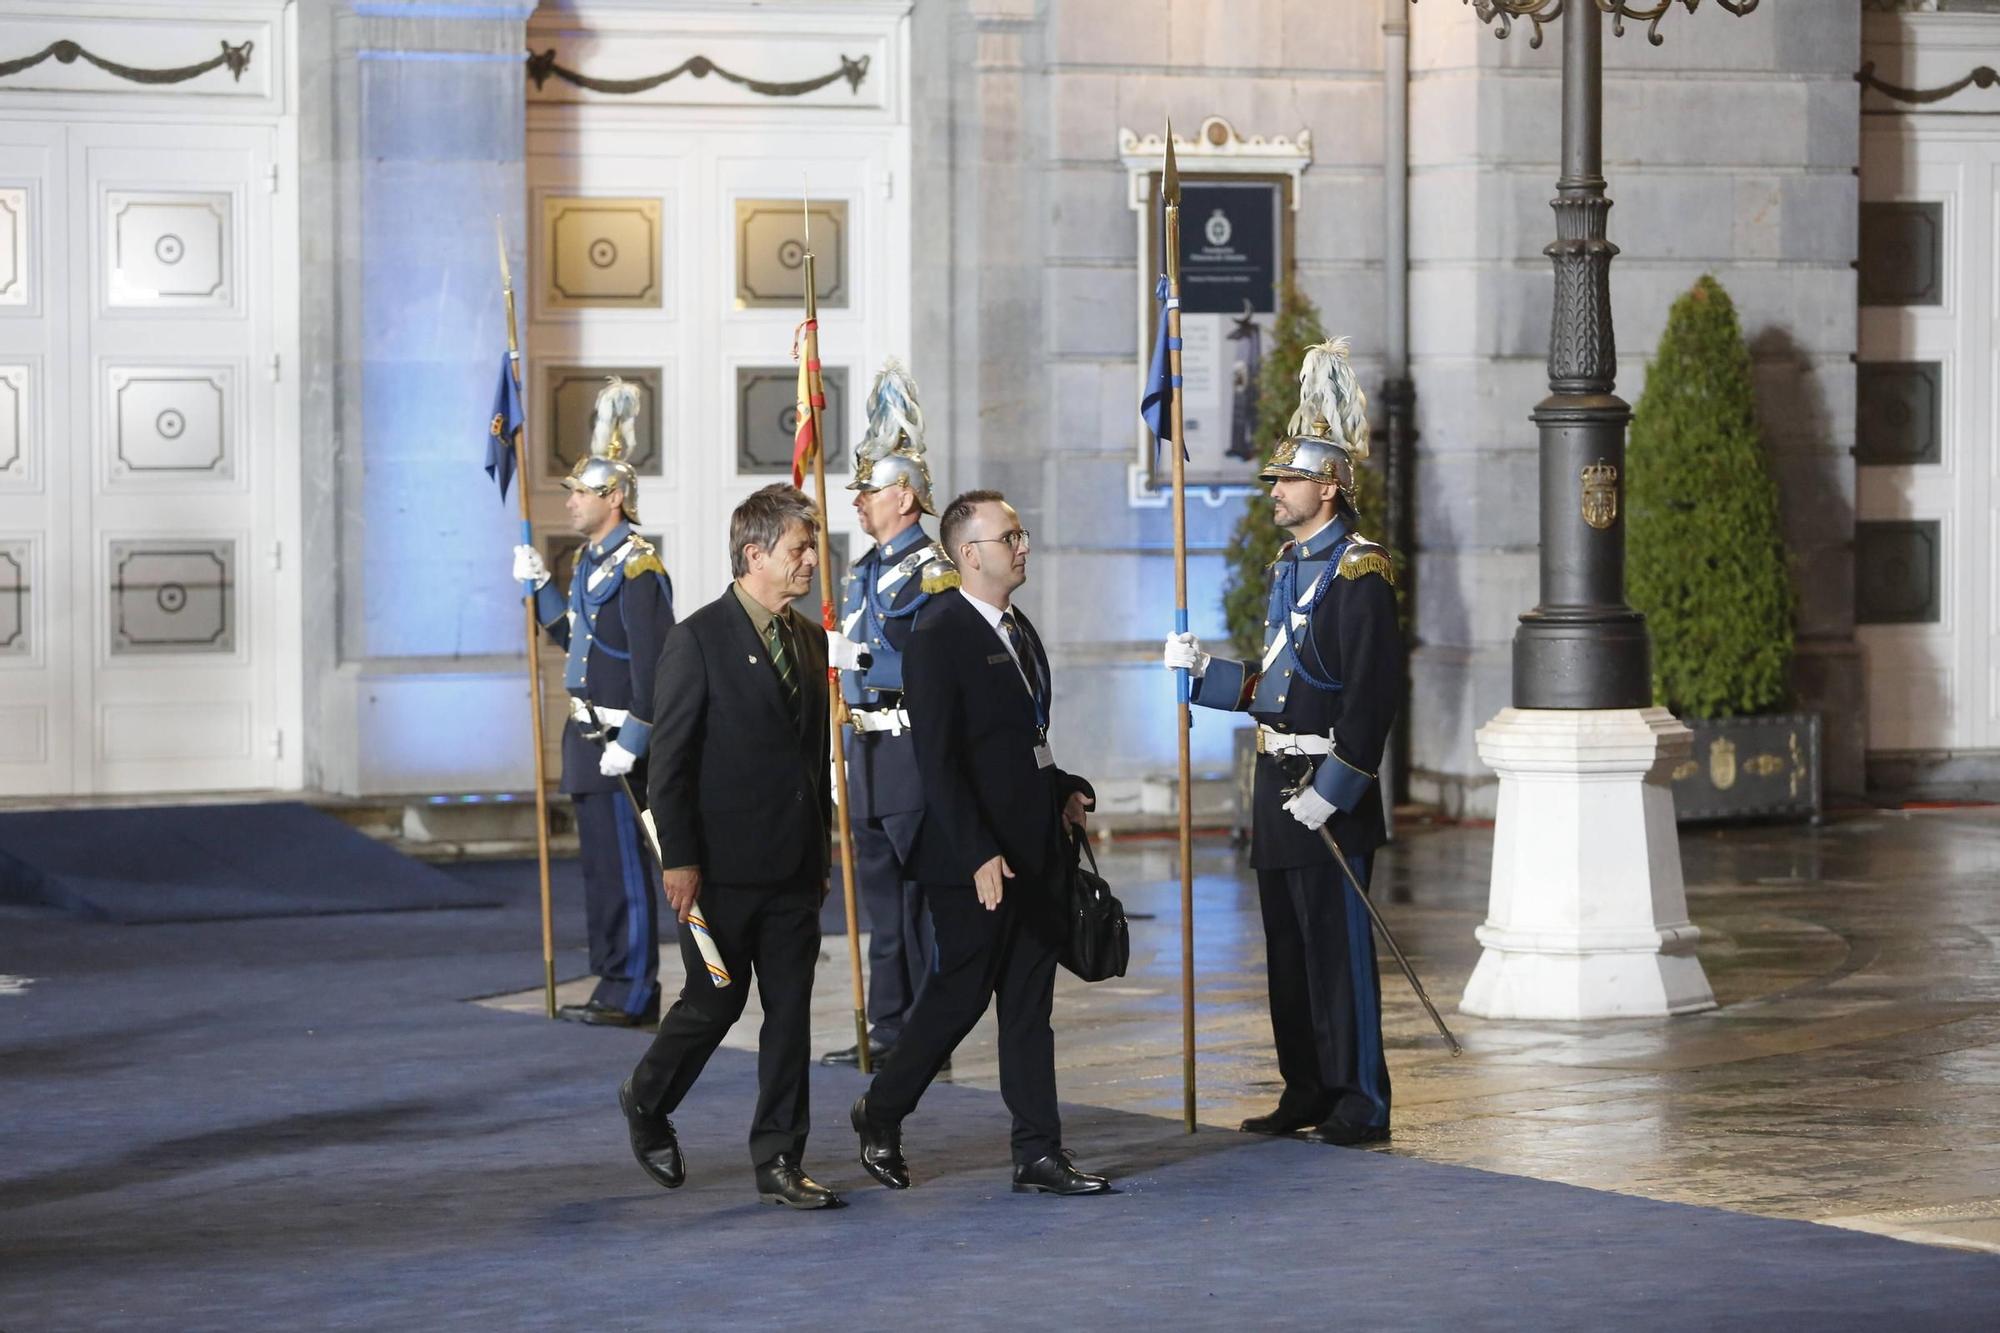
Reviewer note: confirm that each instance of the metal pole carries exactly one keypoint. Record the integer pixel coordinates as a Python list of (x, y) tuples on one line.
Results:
[(834, 712), (1399, 393), (534, 645), (1582, 646), (1171, 195)]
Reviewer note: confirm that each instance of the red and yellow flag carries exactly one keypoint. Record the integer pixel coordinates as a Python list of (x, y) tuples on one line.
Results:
[(812, 396)]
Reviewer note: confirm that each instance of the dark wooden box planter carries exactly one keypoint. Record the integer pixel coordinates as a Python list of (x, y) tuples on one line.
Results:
[(1749, 767)]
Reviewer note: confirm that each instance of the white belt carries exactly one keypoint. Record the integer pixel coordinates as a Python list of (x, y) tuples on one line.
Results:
[(1272, 741), (581, 710), (895, 721)]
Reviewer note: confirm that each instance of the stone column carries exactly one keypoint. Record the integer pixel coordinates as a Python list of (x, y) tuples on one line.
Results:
[(420, 685)]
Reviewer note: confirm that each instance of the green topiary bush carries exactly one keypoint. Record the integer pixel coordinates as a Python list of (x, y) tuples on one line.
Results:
[(1253, 545), (1705, 559)]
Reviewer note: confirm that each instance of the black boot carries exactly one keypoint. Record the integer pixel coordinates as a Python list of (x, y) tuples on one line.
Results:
[(782, 1180), (1054, 1175), (881, 1149)]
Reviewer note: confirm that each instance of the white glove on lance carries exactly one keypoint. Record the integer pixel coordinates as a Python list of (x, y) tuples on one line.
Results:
[(845, 654), (616, 761), (1310, 808), (528, 566), (1184, 650)]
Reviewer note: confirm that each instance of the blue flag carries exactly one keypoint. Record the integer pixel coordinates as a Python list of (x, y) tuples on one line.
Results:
[(500, 430), (1156, 408)]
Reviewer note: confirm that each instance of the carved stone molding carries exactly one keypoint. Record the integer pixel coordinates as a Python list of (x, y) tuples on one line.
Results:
[(1215, 148), (236, 58)]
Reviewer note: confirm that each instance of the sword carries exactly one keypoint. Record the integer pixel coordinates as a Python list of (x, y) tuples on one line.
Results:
[(1388, 937), (592, 728)]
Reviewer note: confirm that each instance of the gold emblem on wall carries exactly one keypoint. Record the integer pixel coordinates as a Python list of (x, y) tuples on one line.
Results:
[(1685, 769), (1722, 763), (1600, 494)]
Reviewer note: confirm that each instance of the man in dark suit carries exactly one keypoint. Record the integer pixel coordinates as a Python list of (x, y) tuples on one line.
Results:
[(741, 797), (990, 853)]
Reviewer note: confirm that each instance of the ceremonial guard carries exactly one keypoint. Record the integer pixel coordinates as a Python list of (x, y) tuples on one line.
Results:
[(613, 622), (883, 592), (1324, 697)]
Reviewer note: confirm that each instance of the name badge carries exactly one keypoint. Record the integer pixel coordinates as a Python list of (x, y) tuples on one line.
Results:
[(1044, 756), (997, 659)]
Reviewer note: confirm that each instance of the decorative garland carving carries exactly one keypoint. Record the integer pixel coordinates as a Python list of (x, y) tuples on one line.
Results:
[(541, 65), (1985, 76), (65, 52)]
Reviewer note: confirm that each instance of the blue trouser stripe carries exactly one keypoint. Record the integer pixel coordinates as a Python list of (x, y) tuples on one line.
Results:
[(632, 866), (1365, 988)]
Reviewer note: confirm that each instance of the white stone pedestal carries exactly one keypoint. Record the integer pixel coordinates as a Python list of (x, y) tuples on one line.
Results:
[(1587, 916)]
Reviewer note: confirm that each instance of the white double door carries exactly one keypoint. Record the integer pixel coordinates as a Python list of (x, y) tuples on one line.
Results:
[(139, 542)]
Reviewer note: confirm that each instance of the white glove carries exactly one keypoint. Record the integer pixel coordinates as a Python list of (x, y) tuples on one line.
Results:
[(616, 761), (1184, 650), (1310, 808), (528, 566), (845, 653)]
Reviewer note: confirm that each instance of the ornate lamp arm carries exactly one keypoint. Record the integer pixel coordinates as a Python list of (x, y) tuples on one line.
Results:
[(1543, 12)]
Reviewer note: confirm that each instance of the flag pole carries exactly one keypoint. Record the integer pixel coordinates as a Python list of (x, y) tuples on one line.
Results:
[(1170, 191), (534, 646), (817, 397)]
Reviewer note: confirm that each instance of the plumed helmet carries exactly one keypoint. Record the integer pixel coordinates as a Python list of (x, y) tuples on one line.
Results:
[(891, 453), (1329, 432), (612, 435)]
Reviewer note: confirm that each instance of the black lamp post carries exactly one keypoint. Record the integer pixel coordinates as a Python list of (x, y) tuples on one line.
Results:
[(1582, 646)]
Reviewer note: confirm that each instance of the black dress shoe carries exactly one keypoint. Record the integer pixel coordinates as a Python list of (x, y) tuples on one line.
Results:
[(1341, 1134), (1054, 1175), (1280, 1121), (852, 1056), (653, 1141), (610, 1016), (781, 1180), (881, 1149)]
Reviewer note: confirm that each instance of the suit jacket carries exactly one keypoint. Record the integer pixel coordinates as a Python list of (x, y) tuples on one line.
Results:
[(975, 728), (734, 786)]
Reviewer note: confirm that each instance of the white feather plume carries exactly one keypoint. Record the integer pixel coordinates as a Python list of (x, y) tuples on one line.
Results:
[(892, 414), (1329, 392), (617, 411)]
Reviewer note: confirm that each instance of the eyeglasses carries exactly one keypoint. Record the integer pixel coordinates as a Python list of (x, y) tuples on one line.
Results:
[(1015, 539)]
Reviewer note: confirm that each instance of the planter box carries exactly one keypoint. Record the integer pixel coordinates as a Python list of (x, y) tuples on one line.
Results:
[(1750, 767)]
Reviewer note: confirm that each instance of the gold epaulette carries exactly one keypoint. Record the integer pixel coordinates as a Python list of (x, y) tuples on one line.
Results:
[(939, 575), (1367, 559), (643, 560)]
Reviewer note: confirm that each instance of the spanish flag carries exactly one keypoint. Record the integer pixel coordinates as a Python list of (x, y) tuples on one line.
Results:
[(812, 398)]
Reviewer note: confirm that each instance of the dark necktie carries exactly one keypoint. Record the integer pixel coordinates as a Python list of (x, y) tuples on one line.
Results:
[(788, 674), (1019, 643)]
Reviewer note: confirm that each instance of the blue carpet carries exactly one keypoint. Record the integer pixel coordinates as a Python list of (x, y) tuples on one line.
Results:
[(210, 862), (296, 1124)]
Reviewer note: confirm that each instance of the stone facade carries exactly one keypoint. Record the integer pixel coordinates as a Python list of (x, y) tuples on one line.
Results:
[(1730, 149)]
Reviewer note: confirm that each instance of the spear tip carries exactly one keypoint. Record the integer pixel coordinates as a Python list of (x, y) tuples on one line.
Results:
[(1170, 187), (500, 235)]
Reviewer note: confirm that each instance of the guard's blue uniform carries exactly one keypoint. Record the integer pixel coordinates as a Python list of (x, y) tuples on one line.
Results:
[(880, 598), (613, 623), (1332, 667)]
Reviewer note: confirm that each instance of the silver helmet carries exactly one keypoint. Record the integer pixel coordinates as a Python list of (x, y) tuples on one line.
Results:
[(892, 451), (1329, 432), (612, 436)]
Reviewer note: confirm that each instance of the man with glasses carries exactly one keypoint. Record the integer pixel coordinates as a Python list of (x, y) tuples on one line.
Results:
[(743, 800), (990, 852)]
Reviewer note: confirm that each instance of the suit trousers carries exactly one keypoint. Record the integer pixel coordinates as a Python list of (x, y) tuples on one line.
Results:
[(620, 902), (1326, 995), (982, 956), (770, 931), (899, 926)]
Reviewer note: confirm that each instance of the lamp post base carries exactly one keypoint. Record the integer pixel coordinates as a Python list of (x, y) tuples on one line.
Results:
[(1587, 914)]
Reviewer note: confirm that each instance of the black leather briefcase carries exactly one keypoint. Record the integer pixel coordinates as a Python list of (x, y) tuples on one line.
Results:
[(1098, 944)]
